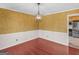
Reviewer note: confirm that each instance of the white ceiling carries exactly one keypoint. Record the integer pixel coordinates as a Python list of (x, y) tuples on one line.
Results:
[(45, 8)]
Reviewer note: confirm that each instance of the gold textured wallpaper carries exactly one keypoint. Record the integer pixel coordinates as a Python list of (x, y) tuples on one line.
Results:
[(56, 22), (11, 21)]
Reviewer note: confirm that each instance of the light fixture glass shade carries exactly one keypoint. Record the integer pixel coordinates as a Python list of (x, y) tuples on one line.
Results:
[(38, 17)]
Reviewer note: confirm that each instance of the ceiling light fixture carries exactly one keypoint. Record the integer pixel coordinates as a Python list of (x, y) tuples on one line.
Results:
[(38, 16)]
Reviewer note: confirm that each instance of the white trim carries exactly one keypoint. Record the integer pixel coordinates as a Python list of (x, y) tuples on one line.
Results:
[(8, 40), (58, 37), (75, 14), (68, 29)]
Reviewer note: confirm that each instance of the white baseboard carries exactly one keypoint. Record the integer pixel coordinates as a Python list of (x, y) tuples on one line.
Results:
[(8, 40)]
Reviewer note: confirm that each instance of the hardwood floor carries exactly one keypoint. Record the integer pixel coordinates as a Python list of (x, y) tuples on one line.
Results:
[(38, 46), (73, 51)]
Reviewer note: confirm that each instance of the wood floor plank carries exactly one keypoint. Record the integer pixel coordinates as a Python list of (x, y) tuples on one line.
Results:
[(38, 46)]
